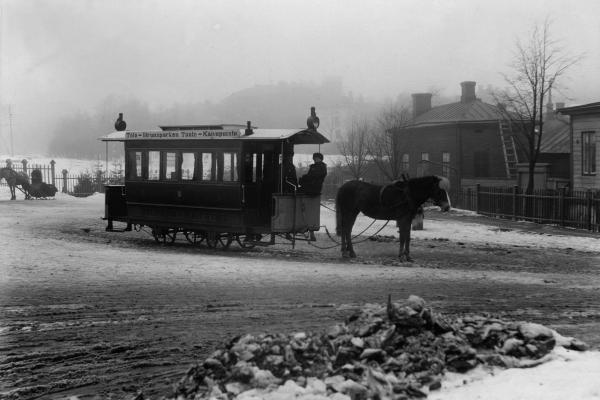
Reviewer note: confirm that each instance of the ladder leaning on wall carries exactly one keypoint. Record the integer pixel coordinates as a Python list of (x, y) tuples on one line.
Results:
[(508, 148)]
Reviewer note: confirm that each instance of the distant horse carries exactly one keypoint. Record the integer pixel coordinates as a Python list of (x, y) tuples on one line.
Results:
[(14, 179), (399, 201)]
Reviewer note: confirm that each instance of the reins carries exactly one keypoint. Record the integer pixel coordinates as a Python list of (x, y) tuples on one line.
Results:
[(337, 243)]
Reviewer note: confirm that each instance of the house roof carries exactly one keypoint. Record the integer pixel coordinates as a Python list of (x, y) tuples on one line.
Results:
[(555, 138), (582, 109), (472, 111)]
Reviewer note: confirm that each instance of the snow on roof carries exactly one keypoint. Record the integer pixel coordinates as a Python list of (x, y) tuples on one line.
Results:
[(297, 136), (581, 109), (473, 111)]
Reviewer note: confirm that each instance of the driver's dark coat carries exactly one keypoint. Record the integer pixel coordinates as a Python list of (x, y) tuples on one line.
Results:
[(312, 182)]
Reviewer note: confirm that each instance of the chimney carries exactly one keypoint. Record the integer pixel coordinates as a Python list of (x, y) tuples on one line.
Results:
[(421, 103), (468, 92)]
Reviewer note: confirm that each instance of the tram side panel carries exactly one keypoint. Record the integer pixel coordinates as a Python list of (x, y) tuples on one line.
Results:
[(187, 206), (206, 199), (295, 213)]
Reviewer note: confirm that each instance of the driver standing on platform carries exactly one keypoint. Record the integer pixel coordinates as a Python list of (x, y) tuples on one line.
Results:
[(312, 182)]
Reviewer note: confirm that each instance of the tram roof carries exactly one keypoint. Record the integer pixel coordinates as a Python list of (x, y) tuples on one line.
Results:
[(296, 136)]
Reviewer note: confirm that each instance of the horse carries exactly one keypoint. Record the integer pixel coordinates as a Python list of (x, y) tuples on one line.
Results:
[(400, 201), (14, 179)]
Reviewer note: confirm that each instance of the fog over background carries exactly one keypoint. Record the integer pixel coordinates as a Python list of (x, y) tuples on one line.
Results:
[(203, 60)]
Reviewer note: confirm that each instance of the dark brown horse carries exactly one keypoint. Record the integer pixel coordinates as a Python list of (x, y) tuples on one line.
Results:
[(399, 201), (14, 179)]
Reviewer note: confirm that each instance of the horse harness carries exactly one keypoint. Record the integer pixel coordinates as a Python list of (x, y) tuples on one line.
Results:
[(404, 197)]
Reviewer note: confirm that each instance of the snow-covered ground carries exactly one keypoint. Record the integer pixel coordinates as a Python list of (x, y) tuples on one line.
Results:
[(569, 374), (471, 232)]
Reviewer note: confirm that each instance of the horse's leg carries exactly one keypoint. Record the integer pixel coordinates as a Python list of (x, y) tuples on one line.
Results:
[(404, 233), (343, 234), (405, 226), (350, 223), (13, 195), (401, 241)]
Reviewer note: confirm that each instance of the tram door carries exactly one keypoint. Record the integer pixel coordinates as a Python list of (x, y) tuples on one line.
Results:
[(251, 186), (259, 183)]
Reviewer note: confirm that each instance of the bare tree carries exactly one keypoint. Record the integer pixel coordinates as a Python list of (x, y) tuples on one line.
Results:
[(538, 65), (354, 147), (382, 147)]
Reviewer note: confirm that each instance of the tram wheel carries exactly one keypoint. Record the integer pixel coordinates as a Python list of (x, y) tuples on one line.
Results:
[(245, 241), (194, 237), (216, 240), (164, 235)]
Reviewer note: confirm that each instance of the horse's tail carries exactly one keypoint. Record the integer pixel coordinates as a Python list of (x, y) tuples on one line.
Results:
[(338, 216)]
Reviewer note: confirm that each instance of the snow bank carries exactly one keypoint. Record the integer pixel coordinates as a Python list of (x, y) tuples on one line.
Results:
[(569, 375)]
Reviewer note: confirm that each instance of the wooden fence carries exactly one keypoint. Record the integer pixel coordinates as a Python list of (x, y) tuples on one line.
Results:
[(569, 208), (81, 185)]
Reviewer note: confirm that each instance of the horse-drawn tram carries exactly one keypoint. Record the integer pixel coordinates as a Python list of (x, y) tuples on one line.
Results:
[(213, 183)]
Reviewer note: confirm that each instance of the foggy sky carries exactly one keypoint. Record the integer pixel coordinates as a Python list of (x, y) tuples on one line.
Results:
[(64, 56)]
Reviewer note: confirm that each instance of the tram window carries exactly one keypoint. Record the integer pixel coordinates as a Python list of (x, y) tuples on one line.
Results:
[(170, 165), (230, 173), (256, 169), (188, 163), (257, 162), (207, 166), (248, 168), (153, 165), (251, 167), (134, 169)]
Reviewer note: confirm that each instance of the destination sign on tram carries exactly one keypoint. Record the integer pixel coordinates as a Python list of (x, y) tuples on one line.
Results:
[(183, 134)]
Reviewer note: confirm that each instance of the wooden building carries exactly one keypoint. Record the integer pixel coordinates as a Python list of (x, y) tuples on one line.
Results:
[(584, 142)]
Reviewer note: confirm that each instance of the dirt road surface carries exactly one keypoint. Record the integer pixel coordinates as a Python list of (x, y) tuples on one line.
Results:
[(92, 313)]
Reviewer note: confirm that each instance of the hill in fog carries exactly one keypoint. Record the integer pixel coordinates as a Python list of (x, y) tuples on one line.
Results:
[(282, 105)]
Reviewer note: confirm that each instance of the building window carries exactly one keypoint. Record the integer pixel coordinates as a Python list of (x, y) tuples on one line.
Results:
[(446, 164), (170, 166), (588, 153), (405, 162), (423, 165), (188, 164), (153, 165)]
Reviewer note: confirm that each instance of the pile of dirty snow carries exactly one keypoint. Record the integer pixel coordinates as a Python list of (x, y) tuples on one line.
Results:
[(394, 351)]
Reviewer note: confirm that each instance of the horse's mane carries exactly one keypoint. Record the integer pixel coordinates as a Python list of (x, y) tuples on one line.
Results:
[(444, 183)]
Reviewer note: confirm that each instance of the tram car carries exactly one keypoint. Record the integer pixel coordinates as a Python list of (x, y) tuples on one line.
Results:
[(216, 184)]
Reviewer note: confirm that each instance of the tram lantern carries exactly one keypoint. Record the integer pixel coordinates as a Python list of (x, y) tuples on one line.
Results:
[(120, 124), (313, 120)]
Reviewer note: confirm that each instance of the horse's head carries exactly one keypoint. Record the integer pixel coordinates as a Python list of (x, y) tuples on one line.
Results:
[(439, 193)]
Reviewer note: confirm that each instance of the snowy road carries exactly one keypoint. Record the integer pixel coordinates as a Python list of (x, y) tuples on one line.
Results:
[(86, 311)]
